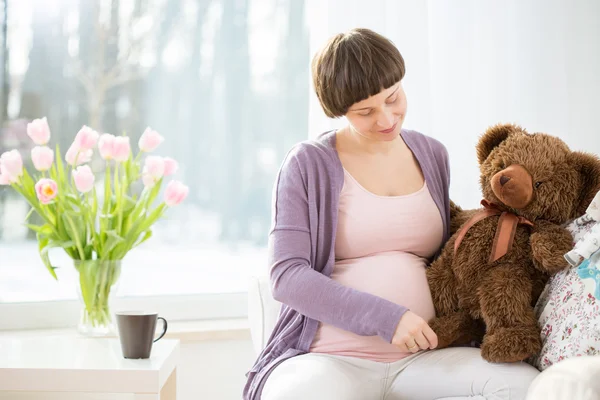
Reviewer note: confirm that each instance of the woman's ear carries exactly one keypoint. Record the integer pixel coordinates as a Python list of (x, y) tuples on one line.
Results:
[(588, 166), (493, 137)]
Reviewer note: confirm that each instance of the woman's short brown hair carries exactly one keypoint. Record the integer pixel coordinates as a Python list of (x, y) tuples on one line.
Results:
[(353, 66)]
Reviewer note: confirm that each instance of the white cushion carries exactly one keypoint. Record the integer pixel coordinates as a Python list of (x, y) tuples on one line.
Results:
[(575, 378), (263, 311)]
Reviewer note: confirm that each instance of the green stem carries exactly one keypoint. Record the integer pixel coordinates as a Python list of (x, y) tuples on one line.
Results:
[(76, 234), (119, 199), (91, 219), (96, 280), (105, 205)]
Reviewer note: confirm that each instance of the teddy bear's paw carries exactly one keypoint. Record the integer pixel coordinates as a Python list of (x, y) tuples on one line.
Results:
[(445, 330), (548, 250), (456, 328), (511, 344)]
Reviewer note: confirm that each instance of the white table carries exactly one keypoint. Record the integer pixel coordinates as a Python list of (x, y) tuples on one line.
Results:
[(74, 364)]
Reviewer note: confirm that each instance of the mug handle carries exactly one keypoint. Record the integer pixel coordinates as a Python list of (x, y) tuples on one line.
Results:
[(164, 329)]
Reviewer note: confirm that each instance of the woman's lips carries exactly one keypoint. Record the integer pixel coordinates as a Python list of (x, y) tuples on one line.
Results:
[(390, 130)]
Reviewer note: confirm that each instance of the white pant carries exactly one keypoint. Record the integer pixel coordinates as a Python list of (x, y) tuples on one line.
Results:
[(451, 373)]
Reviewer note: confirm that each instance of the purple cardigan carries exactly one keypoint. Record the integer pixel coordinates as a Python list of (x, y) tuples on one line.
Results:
[(301, 251)]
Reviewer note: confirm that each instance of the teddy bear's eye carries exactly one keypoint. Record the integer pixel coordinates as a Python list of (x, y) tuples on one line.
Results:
[(538, 184)]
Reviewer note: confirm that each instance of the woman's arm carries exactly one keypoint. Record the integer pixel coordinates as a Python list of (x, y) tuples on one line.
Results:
[(296, 284)]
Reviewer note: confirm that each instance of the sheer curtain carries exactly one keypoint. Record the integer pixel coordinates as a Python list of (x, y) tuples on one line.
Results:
[(472, 64), (219, 79)]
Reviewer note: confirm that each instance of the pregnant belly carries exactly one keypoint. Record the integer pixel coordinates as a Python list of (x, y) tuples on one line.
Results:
[(395, 276)]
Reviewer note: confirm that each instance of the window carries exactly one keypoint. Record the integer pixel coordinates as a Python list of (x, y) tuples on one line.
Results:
[(224, 81)]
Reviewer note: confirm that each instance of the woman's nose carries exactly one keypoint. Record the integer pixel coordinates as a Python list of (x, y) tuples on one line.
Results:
[(386, 119)]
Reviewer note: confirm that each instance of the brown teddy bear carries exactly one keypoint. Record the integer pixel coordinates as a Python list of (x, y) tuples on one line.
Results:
[(498, 260)]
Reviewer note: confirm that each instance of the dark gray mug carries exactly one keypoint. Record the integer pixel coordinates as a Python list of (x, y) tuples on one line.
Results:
[(136, 332)]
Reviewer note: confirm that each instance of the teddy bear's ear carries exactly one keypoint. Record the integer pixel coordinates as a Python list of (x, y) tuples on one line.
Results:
[(588, 166), (493, 137)]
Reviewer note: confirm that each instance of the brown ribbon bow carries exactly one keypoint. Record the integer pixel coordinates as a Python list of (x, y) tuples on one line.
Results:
[(505, 232)]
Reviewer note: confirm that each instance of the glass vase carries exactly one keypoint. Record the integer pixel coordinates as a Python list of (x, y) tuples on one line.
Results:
[(97, 286)]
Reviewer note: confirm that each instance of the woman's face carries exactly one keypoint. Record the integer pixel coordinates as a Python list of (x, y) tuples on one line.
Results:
[(379, 117)]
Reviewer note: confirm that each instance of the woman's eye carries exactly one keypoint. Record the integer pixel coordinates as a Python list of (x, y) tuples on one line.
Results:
[(365, 113), (538, 184), (391, 101)]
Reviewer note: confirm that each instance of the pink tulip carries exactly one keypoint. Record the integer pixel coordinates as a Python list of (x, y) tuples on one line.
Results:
[(4, 180), (106, 145), (39, 131), (46, 190), (171, 166), (42, 157), (82, 156), (86, 138), (155, 166), (148, 180), (175, 193), (84, 178), (11, 166), (121, 148), (150, 140), (154, 169)]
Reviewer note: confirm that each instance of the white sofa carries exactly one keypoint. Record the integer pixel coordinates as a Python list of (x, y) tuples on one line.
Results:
[(263, 310), (573, 379)]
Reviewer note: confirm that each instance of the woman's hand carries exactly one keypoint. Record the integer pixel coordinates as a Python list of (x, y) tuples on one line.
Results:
[(413, 334)]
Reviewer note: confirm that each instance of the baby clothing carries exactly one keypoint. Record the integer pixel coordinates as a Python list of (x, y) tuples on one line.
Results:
[(588, 241)]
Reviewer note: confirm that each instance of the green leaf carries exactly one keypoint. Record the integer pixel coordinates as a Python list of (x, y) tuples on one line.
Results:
[(106, 220), (94, 204), (116, 183), (143, 224), (60, 167), (87, 283), (75, 202), (45, 229), (74, 224), (147, 235), (53, 174), (28, 185), (107, 190), (31, 210), (140, 207), (113, 240), (65, 244), (75, 227), (129, 171), (106, 201), (154, 192), (128, 205), (42, 248)]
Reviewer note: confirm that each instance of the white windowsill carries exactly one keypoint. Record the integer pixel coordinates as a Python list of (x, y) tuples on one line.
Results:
[(185, 331)]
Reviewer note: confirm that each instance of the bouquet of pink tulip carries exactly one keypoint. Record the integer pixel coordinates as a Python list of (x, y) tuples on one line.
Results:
[(95, 235)]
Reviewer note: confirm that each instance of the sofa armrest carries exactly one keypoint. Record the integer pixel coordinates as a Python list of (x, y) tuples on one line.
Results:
[(263, 311)]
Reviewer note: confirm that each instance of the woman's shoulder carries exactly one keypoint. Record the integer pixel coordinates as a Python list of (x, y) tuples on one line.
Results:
[(313, 162), (315, 153), (423, 140), (430, 149)]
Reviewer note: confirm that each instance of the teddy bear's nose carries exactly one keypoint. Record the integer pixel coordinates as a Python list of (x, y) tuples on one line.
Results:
[(504, 179)]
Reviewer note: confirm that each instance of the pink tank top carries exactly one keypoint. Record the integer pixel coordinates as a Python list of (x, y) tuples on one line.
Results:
[(381, 247)]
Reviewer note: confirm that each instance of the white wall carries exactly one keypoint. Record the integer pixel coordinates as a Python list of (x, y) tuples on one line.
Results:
[(474, 63)]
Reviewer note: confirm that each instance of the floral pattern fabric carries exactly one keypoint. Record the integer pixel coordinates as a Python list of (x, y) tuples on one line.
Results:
[(568, 310)]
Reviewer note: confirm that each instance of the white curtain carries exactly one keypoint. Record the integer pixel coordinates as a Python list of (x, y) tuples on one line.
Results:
[(472, 64)]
